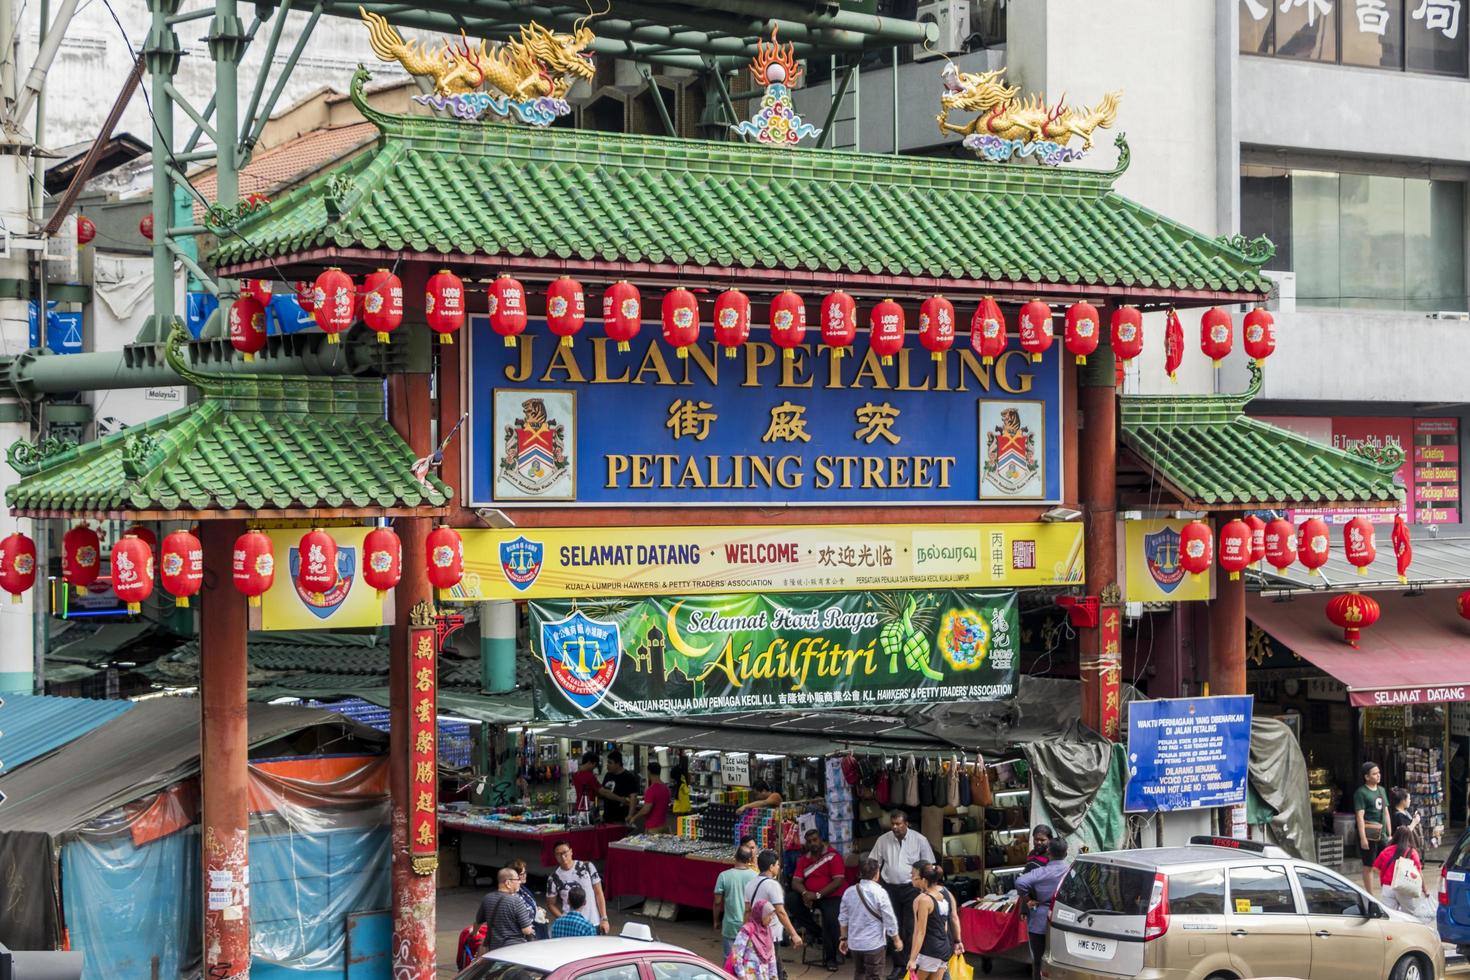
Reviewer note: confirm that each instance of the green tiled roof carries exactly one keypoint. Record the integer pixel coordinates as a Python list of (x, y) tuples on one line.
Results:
[(272, 445), (442, 187), (1208, 452)]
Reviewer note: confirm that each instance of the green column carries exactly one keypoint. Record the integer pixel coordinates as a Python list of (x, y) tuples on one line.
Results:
[(227, 40), (498, 646), (161, 56)]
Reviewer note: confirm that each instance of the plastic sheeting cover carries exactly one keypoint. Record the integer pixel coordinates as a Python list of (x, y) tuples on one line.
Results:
[(1278, 772), (1075, 776)]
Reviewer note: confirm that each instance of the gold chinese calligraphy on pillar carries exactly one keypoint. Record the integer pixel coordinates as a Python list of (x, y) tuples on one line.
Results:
[(423, 788), (1110, 632)]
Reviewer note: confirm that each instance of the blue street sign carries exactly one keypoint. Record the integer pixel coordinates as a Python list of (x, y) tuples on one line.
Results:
[(63, 329), (1187, 753)]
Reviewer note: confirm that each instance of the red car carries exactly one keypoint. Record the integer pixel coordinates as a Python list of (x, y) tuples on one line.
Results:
[(625, 957)]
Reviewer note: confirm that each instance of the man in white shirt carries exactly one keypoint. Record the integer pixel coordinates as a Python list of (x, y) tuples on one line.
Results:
[(867, 922), (569, 872), (766, 886), (896, 852)]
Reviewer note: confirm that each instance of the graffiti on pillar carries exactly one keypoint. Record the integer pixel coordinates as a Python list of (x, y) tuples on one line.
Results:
[(227, 903), (1110, 639)]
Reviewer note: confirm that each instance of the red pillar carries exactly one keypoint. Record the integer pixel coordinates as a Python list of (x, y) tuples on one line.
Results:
[(413, 893), (224, 776), (1227, 631), (1097, 487)]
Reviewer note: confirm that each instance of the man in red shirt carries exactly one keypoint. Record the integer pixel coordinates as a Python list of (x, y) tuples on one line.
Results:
[(587, 783), (656, 802), (819, 881)]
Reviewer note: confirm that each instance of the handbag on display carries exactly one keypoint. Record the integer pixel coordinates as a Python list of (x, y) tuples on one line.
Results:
[(964, 780), (980, 784), (926, 785), (952, 780), (911, 784), (880, 792)]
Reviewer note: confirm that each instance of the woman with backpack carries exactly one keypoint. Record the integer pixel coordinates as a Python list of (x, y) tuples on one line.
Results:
[(936, 924), (1403, 883)]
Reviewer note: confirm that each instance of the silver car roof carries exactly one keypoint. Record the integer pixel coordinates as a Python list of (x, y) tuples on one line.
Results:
[(1168, 859)]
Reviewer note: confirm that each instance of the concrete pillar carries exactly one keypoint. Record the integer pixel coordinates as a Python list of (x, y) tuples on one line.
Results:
[(498, 646), (1227, 631), (17, 632), (1097, 453)]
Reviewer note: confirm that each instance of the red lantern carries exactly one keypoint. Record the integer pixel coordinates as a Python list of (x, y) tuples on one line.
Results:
[(146, 226), (1358, 543), (132, 571), (1196, 548), (1280, 541), (382, 303), (305, 295), (257, 289), (988, 331), (253, 565), (1403, 548), (622, 312), (1258, 537), (732, 320), (566, 308), (1462, 604), (145, 533), (181, 566), (86, 229), (885, 330), (1354, 613), (507, 308), (1259, 331), (1082, 333), (839, 322), (1036, 328), (81, 557), (1173, 344), (382, 565), (334, 302), (316, 563), (1127, 327), (1314, 539), (247, 326), (788, 322), (1216, 334), (445, 552), (936, 326), (444, 305), (17, 565), (1235, 547), (681, 320)]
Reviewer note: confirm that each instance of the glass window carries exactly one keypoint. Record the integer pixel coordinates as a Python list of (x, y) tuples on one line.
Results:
[(1265, 209), (1314, 237), (625, 971), (1435, 37), (491, 969), (1373, 33), (1260, 890), (1107, 888), (1307, 29), (1197, 893), (1257, 29), (1371, 241), (682, 970), (1326, 895)]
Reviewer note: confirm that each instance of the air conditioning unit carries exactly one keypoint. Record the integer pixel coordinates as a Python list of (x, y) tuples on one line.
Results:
[(953, 20)]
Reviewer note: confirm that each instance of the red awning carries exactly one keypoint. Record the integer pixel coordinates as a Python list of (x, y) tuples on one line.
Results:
[(1417, 653)]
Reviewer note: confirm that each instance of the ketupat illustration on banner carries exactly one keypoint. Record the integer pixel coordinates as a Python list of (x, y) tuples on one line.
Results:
[(705, 655)]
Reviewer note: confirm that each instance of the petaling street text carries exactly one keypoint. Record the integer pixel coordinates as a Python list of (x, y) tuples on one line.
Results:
[(675, 471)]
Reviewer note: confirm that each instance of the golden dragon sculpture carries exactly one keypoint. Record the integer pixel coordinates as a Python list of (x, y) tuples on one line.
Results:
[(1003, 115), (539, 63)]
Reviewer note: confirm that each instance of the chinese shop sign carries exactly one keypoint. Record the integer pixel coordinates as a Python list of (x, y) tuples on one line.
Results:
[(423, 752), (587, 425), (1110, 667), (703, 655), (1187, 753), (544, 563)]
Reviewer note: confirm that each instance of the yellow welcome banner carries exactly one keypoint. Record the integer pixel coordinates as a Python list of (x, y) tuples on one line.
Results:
[(549, 563)]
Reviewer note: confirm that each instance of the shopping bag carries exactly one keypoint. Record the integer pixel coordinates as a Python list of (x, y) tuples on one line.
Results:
[(959, 968), (1407, 883)]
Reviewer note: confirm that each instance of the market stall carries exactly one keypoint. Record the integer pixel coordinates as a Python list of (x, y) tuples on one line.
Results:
[(493, 837)]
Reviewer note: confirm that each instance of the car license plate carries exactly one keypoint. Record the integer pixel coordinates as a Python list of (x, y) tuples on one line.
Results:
[(1094, 949)]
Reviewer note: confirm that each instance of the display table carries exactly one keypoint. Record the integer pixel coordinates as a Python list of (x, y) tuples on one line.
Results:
[(986, 933), (484, 844), (688, 879)]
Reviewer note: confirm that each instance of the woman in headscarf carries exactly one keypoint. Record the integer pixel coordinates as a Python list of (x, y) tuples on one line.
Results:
[(753, 956)]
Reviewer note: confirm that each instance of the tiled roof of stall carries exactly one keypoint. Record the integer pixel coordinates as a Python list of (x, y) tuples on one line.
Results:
[(438, 186), (32, 725)]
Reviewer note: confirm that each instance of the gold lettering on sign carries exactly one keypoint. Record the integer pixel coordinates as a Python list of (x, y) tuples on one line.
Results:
[(757, 356), (1019, 382), (521, 369), (708, 363), (599, 364), (653, 361), (872, 369), (903, 373), (793, 369), (970, 365), (562, 360)]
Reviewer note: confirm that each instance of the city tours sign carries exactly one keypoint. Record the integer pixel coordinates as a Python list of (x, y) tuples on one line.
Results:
[(588, 425), (545, 563), (663, 656)]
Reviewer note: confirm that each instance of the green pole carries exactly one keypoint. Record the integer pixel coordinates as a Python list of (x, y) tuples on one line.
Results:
[(161, 56), (227, 40)]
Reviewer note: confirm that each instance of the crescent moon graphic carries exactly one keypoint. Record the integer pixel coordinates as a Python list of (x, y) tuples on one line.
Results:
[(678, 641)]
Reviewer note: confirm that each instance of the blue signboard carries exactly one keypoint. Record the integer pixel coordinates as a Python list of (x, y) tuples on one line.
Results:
[(1187, 753), (589, 425), (63, 329), (197, 309), (288, 316)]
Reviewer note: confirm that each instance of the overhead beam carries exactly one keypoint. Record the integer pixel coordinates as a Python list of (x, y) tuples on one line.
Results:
[(891, 30), (89, 162)]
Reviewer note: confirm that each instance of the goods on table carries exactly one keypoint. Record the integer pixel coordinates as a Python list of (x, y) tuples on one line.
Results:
[(667, 844)]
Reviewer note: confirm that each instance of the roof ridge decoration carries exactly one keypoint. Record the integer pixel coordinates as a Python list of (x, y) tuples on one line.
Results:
[(776, 121), (1007, 126)]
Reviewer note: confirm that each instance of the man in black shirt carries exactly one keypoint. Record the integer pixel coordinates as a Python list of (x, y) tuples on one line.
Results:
[(508, 917), (618, 787)]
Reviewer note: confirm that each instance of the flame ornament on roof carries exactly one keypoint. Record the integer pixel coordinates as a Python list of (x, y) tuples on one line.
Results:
[(776, 121)]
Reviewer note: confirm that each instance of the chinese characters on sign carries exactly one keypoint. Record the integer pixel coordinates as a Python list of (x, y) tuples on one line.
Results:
[(1110, 638), (423, 818)]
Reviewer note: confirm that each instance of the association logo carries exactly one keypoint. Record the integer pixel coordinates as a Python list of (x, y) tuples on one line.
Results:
[(520, 560), (1161, 556), (964, 638), (535, 452), (582, 657), (331, 599), (1010, 454)]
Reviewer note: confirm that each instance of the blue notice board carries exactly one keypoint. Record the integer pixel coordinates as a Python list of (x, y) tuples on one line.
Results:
[(588, 425), (1187, 753), (63, 329)]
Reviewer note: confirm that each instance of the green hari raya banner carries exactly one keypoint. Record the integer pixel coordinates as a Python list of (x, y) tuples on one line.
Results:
[(704, 655)]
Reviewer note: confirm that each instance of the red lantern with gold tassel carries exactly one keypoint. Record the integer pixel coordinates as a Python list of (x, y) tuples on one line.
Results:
[(1358, 543), (334, 302), (1403, 548), (1127, 331), (253, 565), (988, 331), (936, 326), (1196, 548), (507, 308), (445, 553), (305, 295), (247, 326), (145, 532), (622, 312), (1036, 330), (1081, 334), (81, 557), (1353, 612), (1235, 547), (1173, 344), (681, 320), (788, 322), (1258, 537), (1315, 540), (382, 565), (181, 566), (732, 320), (258, 290), (132, 571), (17, 565), (444, 304), (145, 226), (316, 569), (566, 308), (86, 229), (1280, 541), (1216, 334), (382, 303), (1259, 332), (885, 330), (839, 322)]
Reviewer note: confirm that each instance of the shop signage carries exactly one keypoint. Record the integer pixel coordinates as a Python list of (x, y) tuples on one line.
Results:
[(423, 734), (1110, 666), (1410, 696), (1187, 753), (735, 768), (673, 656), (587, 425), (351, 602), (546, 563), (1152, 572)]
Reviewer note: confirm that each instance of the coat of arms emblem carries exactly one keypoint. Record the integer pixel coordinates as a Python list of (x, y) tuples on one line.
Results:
[(582, 656), (1010, 454), (1161, 556), (535, 452)]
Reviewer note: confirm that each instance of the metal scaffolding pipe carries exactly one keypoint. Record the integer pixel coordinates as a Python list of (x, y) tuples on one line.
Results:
[(741, 25), (890, 29)]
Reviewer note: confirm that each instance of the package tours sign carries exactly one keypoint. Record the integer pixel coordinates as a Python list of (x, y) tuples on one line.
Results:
[(1187, 753), (680, 655), (588, 425)]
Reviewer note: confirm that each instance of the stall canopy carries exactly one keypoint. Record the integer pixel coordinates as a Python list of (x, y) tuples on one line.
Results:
[(35, 725), (1419, 653), (1439, 563)]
